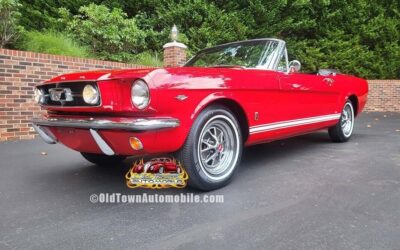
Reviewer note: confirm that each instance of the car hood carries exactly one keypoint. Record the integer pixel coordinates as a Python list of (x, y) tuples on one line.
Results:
[(170, 78), (99, 75)]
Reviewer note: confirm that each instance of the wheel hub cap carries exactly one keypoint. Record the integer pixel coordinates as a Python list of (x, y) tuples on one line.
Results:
[(347, 120), (218, 148)]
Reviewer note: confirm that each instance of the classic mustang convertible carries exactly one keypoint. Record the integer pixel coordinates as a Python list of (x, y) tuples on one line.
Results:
[(223, 99)]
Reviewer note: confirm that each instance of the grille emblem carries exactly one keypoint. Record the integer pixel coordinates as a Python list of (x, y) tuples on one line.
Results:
[(61, 95)]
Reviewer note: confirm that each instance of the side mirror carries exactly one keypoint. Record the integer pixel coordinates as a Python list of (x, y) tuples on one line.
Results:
[(294, 66)]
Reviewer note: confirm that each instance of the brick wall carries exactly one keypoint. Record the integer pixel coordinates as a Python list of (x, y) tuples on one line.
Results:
[(384, 95), (20, 71)]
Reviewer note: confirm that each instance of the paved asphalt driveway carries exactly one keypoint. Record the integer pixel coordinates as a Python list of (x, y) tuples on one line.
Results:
[(301, 193)]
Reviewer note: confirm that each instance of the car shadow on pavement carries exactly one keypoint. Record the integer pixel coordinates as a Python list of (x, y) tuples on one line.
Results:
[(85, 178), (270, 152)]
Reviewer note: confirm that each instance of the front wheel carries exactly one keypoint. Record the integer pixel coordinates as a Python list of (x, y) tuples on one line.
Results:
[(213, 148), (343, 130), (103, 160)]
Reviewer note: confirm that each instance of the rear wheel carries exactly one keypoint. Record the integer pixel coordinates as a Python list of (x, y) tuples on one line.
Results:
[(103, 160), (212, 151), (343, 130)]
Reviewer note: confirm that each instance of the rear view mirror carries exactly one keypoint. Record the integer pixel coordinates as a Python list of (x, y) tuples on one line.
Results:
[(294, 66)]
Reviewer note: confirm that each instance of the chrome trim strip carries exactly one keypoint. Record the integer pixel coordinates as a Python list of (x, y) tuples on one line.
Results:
[(66, 81), (292, 123), (138, 124), (104, 147), (46, 135)]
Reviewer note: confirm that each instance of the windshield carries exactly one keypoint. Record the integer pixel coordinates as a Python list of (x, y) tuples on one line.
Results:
[(250, 54)]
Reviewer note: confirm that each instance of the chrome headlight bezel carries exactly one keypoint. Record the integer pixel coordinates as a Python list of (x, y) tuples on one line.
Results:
[(39, 95), (90, 94), (140, 94)]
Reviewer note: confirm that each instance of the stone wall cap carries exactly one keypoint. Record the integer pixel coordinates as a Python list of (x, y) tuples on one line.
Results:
[(175, 44)]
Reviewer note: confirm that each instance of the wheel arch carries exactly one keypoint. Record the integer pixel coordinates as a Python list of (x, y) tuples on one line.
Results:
[(354, 101), (230, 103)]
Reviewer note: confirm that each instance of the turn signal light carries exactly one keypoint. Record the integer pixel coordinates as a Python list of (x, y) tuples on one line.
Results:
[(135, 143)]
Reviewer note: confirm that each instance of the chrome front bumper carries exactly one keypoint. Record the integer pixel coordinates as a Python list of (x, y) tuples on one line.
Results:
[(92, 124), (136, 124)]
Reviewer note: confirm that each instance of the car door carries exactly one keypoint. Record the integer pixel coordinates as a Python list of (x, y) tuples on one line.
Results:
[(308, 95), (303, 103)]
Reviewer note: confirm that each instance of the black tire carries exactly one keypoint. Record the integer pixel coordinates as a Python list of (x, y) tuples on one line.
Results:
[(339, 133), (103, 160), (226, 148)]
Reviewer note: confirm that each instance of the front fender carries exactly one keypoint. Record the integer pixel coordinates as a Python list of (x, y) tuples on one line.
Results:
[(187, 119), (207, 101)]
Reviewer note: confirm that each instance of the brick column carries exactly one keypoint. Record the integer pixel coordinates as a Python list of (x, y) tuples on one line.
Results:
[(174, 54)]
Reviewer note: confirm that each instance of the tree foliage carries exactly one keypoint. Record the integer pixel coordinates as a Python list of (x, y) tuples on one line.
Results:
[(108, 33), (359, 37), (9, 18), (204, 24)]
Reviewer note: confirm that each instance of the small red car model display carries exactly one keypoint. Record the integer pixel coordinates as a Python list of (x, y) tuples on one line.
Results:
[(158, 165), (224, 98)]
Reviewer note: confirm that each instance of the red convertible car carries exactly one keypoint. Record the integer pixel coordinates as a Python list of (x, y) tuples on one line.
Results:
[(223, 99)]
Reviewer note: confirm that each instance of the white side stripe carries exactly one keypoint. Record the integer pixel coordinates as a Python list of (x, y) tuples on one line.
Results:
[(292, 123)]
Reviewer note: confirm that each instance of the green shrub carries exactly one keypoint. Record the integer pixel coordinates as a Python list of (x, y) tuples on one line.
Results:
[(52, 43), (148, 59), (108, 32)]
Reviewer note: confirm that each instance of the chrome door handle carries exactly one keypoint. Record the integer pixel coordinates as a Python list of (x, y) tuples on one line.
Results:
[(329, 81), (296, 85)]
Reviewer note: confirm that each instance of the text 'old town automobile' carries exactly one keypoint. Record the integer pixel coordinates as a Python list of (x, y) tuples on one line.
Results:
[(223, 99)]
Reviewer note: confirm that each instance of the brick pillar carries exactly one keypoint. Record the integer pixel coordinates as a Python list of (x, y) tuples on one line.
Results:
[(174, 54)]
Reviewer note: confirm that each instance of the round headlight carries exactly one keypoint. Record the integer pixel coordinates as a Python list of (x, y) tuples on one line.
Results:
[(90, 94), (140, 94), (39, 95)]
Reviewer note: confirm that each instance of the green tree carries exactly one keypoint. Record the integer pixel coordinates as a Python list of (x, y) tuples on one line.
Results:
[(42, 14), (9, 18), (109, 33), (357, 37), (202, 23)]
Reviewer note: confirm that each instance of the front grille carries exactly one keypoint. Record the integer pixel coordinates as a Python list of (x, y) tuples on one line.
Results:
[(76, 94)]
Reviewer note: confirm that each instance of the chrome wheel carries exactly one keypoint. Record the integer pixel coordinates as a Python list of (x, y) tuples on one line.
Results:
[(218, 147), (347, 120)]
